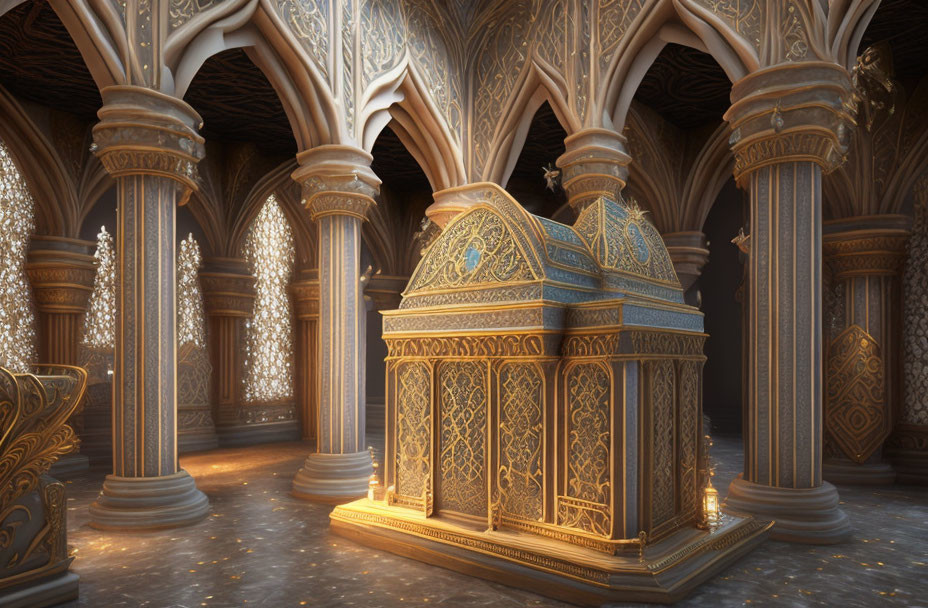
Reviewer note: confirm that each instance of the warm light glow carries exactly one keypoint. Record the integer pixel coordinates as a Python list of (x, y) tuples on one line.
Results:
[(191, 319), (269, 342), (17, 318), (711, 504), (100, 322)]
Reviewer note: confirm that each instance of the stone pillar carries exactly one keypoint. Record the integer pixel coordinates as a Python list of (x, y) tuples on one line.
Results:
[(338, 189), (305, 290), (908, 445), (594, 164), (788, 124), (148, 142), (61, 272), (862, 345), (228, 296)]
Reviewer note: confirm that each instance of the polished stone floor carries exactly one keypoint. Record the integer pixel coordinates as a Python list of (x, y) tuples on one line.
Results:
[(260, 547)]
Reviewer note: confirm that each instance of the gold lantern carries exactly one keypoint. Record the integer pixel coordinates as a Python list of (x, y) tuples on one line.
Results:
[(710, 504)]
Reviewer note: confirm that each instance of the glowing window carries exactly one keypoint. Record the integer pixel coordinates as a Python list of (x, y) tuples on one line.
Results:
[(17, 318), (268, 334)]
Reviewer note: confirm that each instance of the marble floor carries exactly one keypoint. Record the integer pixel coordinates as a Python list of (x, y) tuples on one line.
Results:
[(261, 547)]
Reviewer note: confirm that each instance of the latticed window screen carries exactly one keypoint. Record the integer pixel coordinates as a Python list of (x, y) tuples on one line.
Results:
[(191, 318), (17, 317), (269, 336), (100, 322)]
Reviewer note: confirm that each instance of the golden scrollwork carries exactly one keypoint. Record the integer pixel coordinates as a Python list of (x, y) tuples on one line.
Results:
[(585, 503), (521, 440), (462, 457), (857, 416), (34, 409), (661, 384), (414, 424)]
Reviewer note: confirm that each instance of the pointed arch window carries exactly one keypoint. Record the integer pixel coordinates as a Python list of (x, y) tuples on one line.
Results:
[(17, 223), (269, 253)]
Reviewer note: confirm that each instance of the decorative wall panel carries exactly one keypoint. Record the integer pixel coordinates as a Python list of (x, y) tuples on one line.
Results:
[(661, 387), (856, 415), (414, 421), (690, 434), (463, 415), (521, 440), (585, 504)]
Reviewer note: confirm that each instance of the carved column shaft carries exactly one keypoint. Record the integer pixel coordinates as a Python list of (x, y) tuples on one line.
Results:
[(338, 188), (61, 272), (306, 300), (865, 257), (228, 296), (783, 136), (148, 142)]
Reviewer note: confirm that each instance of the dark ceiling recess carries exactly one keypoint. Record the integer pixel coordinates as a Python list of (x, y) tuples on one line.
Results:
[(40, 63), (396, 166), (685, 86), (543, 145), (238, 104), (902, 24)]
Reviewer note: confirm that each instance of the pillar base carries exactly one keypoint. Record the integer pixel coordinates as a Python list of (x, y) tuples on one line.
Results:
[(848, 473), (333, 478), (801, 515), (148, 503)]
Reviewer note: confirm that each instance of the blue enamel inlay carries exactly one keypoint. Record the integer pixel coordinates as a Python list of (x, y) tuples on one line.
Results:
[(471, 258)]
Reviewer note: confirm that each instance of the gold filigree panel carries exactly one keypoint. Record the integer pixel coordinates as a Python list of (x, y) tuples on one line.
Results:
[(689, 436), (478, 249), (413, 428), (463, 427), (661, 388), (585, 503), (857, 416), (521, 440)]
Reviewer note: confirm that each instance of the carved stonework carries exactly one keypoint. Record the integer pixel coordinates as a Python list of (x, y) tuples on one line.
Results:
[(856, 414)]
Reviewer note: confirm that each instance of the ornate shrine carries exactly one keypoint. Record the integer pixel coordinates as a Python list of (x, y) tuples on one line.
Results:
[(543, 411)]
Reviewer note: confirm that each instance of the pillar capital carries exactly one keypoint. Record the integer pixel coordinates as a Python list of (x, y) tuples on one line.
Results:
[(451, 202), (143, 131), (594, 165), (689, 253), (866, 246), (228, 287), (61, 271), (791, 112), (337, 180)]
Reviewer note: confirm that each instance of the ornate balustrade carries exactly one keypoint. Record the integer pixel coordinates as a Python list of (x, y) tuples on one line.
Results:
[(34, 409)]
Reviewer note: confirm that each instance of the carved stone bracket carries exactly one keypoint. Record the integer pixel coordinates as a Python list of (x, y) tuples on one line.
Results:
[(61, 272), (689, 253), (595, 165), (228, 288), (337, 180), (791, 112), (878, 249), (142, 131)]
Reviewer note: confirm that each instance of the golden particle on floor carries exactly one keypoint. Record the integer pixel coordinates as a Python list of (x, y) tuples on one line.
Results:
[(261, 547)]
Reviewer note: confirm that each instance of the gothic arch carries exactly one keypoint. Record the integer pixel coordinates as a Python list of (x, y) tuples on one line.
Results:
[(57, 207), (538, 85), (400, 100), (279, 183), (630, 67)]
